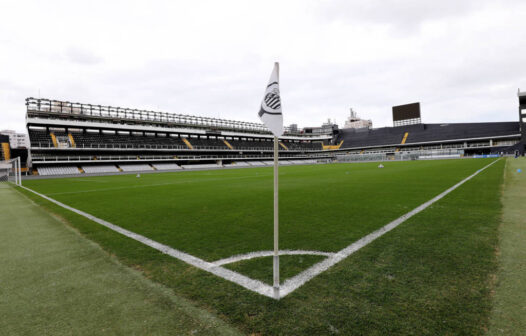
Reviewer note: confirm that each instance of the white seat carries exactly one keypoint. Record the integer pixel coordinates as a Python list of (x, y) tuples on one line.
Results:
[(100, 169), (166, 166), (201, 166), (135, 167), (58, 170)]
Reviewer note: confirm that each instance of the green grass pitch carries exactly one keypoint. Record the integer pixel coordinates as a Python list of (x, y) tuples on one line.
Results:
[(430, 275)]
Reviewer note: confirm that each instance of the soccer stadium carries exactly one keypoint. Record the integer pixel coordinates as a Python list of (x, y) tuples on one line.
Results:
[(394, 226), (262, 168), (73, 138)]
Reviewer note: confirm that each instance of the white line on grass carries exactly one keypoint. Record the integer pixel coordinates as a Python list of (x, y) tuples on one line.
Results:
[(260, 254), (257, 286), (251, 284), (299, 280)]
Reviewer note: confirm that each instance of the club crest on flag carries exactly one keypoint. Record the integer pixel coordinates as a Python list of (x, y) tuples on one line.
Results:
[(272, 102), (270, 110)]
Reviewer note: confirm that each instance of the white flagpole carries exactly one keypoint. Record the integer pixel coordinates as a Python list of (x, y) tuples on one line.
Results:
[(270, 114), (276, 222)]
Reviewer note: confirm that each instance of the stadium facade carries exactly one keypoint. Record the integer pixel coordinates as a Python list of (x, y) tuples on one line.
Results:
[(72, 138)]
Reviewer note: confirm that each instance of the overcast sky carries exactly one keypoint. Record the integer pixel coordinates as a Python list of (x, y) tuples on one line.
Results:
[(462, 59)]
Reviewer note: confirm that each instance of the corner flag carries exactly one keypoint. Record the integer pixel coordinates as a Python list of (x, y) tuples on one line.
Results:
[(270, 111), (270, 114)]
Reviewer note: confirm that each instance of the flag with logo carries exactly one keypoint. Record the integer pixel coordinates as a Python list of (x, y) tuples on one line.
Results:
[(270, 111)]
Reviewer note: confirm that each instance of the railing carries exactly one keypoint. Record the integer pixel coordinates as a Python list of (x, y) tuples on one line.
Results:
[(400, 156), (505, 143), (39, 145), (101, 158), (42, 105), (479, 144)]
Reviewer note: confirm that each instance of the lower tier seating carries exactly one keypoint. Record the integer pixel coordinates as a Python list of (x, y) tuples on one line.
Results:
[(166, 166), (135, 167), (257, 163), (58, 170), (201, 166), (100, 169), (240, 164)]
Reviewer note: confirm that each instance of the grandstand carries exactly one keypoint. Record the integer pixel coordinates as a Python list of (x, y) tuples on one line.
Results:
[(72, 138), (5, 152), (95, 139), (466, 138)]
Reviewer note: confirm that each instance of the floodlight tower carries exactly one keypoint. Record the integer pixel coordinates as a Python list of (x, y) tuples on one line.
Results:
[(522, 119)]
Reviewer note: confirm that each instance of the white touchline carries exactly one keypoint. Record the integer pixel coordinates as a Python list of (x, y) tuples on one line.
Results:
[(257, 286), (299, 280), (251, 284)]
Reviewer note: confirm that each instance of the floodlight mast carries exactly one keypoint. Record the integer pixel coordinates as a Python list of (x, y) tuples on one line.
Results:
[(276, 222)]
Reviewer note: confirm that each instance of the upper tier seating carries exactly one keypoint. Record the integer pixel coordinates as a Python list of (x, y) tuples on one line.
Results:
[(40, 139), (207, 143), (127, 141), (104, 140), (100, 169), (244, 144), (58, 170), (303, 145), (269, 145)]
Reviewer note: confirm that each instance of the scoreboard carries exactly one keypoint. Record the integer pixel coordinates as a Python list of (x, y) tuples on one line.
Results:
[(407, 114)]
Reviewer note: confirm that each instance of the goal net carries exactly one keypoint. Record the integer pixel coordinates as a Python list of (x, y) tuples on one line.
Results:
[(10, 172)]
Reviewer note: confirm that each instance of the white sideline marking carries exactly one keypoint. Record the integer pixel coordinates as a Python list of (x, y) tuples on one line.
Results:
[(299, 280), (260, 254), (257, 286), (251, 284)]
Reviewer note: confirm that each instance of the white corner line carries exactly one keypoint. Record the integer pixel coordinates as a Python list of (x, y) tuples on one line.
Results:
[(260, 254), (244, 281), (299, 280), (257, 286)]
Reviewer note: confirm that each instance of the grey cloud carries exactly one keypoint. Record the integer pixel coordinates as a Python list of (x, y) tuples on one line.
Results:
[(82, 56), (402, 15), (460, 72)]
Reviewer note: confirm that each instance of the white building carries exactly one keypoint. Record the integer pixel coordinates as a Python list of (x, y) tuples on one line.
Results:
[(353, 121), (16, 140)]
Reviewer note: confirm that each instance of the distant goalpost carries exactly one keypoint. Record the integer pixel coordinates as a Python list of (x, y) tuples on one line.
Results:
[(10, 172)]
